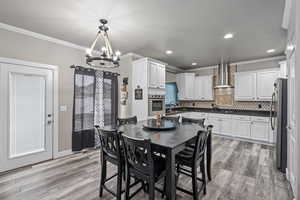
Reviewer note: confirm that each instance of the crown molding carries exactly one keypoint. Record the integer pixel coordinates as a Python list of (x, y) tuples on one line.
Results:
[(286, 14), (40, 36), (279, 58)]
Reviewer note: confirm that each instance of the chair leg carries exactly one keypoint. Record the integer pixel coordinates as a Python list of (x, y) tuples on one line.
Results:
[(177, 175), (119, 183), (151, 190), (165, 188), (203, 171), (103, 176), (127, 185), (194, 183)]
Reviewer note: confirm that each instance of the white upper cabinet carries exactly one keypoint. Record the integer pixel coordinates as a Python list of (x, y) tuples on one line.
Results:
[(245, 86), (203, 88), (265, 83), (255, 85), (185, 84), (156, 75)]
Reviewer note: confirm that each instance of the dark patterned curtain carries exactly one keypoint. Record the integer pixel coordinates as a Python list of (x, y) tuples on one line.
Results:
[(95, 103), (83, 109), (110, 95)]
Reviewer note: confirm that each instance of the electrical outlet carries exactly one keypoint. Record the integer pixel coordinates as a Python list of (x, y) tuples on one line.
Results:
[(63, 108)]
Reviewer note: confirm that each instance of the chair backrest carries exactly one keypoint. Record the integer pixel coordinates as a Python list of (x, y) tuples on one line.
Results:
[(130, 120), (194, 121), (200, 145), (138, 154), (209, 129), (110, 143), (170, 118)]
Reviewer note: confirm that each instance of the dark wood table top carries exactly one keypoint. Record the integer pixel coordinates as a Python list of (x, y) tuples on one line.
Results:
[(167, 138)]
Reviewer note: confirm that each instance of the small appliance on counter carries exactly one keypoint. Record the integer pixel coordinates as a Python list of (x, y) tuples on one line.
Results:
[(278, 115)]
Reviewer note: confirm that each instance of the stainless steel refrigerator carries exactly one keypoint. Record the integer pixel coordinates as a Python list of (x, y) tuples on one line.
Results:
[(278, 114)]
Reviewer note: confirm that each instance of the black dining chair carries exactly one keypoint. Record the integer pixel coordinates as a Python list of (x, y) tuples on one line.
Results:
[(189, 160), (111, 152), (193, 121), (124, 121), (142, 164), (171, 118), (200, 122)]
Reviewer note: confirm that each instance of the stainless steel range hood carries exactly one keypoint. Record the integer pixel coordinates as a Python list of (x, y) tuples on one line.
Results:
[(223, 76)]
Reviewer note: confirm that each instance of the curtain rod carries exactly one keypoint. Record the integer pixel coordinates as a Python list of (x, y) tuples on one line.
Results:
[(74, 66)]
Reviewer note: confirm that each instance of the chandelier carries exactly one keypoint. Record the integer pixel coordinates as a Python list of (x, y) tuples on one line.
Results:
[(104, 57)]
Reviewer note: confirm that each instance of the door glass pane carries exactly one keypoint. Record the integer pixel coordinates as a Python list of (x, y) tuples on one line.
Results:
[(27, 114)]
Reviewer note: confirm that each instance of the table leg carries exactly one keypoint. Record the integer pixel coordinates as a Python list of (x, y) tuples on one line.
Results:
[(209, 155), (170, 176)]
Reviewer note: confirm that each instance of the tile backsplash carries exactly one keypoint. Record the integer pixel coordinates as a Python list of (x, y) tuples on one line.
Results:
[(236, 105)]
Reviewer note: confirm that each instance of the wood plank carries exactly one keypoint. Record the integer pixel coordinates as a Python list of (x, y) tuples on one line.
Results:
[(240, 171)]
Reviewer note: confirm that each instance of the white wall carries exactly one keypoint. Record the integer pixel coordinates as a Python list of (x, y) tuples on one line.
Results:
[(258, 65), (125, 70), (297, 79), (23, 47), (170, 77)]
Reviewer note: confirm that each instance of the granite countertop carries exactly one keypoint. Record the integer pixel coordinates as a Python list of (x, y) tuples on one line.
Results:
[(177, 110)]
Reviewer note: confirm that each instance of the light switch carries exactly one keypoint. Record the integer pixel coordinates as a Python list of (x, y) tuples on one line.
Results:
[(63, 108)]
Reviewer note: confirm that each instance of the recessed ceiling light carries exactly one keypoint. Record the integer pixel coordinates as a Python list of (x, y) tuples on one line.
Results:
[(194, 64), (290, 47), (169, 52), (271, 51), (228, 36)]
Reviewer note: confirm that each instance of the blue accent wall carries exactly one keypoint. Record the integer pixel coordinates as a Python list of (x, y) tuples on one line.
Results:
[(171, 93)]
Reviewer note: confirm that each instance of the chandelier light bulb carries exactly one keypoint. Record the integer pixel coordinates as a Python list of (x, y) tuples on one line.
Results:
[(107, 57), (88, 51), (118, 53), (103, 48)]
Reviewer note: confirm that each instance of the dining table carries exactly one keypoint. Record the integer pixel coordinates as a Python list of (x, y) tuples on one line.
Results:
[(169, 142)]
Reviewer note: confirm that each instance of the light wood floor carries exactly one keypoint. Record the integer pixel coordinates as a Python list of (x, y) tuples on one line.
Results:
[(241, 171)]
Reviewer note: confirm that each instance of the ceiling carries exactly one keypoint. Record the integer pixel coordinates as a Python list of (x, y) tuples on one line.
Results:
[(192, 29)]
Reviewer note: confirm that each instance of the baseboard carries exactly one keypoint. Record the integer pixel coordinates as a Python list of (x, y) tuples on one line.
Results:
[(287, 174), (63, 153), (244, 139)]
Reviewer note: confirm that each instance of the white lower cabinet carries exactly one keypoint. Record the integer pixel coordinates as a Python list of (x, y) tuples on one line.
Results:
[(226, 127), (260, 129), (216, 124), (241, 128)]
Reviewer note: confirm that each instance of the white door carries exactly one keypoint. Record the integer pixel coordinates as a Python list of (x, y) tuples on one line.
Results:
[(265, 84), (207, 87), (26, 115), (241, 128), (216, 124), (153, 75), (162, 77), (291, 137), (245, 86), (260, 131), (189, 85), (226, 127), (198, 88)]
